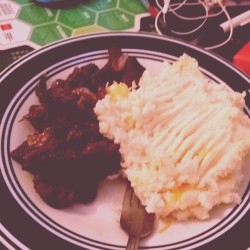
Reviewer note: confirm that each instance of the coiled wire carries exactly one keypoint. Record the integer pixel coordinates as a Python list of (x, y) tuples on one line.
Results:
[(166, 7)]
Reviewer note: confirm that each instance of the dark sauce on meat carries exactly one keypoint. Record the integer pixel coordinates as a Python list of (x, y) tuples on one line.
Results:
[(66, 154)]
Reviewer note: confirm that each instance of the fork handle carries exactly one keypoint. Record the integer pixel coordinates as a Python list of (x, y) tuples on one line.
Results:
[(132, 243)]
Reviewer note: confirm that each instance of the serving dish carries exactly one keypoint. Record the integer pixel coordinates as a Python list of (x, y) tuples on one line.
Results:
[(28, 223)]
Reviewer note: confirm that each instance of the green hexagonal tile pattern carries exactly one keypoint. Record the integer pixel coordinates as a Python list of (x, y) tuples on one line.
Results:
[(100, 5), (87, 30), (34, 14), (48, 33), (116, 20), (132, 6), (48, 24), (22, 1), (77, 17)]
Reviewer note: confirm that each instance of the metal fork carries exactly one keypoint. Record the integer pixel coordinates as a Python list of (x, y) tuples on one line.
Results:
[(134, 219)]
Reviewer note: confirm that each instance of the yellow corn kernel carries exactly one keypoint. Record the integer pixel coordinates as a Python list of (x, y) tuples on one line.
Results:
[(129, 121), (203, 153), (178, 192), (166, 224), (118, 91)]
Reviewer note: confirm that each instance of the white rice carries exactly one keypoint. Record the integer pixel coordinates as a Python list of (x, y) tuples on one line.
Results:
[(183, 139)]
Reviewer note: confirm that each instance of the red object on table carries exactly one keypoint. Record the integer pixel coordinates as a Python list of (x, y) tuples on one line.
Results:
[(5, 26), (242, 59)]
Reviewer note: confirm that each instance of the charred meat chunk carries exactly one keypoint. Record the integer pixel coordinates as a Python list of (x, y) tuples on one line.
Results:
[(66, 152)]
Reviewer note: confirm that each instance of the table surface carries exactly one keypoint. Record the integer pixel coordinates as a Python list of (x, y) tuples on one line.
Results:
[(25, 26)]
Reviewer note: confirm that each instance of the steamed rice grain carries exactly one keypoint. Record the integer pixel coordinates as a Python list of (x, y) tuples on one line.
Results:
[(183, 139)]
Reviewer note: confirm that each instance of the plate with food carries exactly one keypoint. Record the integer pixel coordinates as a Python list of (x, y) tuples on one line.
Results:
[(82, 117)]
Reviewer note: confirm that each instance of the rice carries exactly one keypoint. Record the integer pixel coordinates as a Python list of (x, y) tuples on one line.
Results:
[(183, 139)]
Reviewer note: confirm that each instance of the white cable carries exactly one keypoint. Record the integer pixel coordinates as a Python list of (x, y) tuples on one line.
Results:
[(165, 6), (156, 22), (188, 32), (158, 4), (165, 9), (179, 5), (230, 32), (168, 8), (216, 14), (192, 19), (171, 9)]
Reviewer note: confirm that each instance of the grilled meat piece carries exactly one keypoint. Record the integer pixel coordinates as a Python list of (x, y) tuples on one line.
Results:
[(81, 77), (57, 196), (41, 88), (132, 72), (37, 116), (66, 153), (82, 134)]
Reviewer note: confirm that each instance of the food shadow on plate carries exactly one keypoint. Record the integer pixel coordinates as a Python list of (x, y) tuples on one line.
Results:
[(109, 196)]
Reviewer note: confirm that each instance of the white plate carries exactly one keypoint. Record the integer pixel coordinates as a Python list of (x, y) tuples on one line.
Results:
[(27, 222)]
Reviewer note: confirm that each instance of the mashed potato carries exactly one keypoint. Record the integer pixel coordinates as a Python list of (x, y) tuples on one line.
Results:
[(183, 139)]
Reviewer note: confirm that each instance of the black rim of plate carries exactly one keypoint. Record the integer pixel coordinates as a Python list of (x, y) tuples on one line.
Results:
[(17, 83)]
